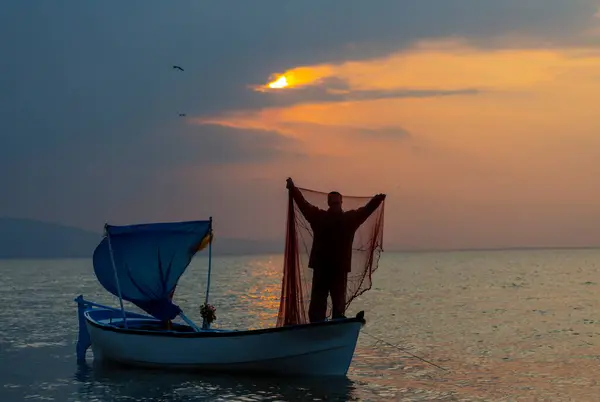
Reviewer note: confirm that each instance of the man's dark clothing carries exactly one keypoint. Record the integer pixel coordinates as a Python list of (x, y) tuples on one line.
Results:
[(325, 282), (331, 252)]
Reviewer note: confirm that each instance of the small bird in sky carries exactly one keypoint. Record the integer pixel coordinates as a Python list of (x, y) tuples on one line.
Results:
[(181, 114), (178, 68)]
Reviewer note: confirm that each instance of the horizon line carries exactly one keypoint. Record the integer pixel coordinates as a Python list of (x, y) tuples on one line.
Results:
[(396, 251)]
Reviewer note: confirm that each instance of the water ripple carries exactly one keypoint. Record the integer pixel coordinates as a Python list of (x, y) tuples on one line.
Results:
[(507, 325)]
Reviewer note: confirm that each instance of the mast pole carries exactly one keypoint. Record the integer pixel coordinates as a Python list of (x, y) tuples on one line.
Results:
[(112, 260), (209, 261), (205, 325)]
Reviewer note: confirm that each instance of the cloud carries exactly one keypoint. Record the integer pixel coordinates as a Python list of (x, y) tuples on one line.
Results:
[(226, 46), (348, 133), (393, 133), (160, 148), (321, 140), (219, 145), (80, 182), (89, 103), (338, 89)]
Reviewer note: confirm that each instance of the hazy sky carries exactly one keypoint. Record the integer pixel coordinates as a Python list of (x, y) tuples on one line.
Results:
[(479, 118)]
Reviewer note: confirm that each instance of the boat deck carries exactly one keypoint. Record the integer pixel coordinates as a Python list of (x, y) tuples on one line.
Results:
[(149, 324)]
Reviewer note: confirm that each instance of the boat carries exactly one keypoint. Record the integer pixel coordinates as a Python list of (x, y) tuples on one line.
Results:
[(142, 264)]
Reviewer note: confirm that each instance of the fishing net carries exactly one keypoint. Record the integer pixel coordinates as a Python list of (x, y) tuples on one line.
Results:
[(357, 264)]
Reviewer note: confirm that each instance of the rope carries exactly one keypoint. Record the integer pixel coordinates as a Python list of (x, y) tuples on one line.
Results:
[(404, 350)]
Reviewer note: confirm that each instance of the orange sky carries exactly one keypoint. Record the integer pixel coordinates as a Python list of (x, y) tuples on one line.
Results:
[(515, 164)]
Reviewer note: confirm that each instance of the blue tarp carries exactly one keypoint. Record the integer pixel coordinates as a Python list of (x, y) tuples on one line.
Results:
[(149, 259)]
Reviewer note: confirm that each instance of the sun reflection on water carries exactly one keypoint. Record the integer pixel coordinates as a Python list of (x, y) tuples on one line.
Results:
[(262, 297)]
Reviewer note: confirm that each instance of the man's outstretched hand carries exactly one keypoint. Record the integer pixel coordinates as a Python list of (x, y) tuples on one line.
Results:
[(379, 197), (289, 183)]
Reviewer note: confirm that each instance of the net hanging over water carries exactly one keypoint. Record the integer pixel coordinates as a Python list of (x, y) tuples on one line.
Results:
[(338, 251)]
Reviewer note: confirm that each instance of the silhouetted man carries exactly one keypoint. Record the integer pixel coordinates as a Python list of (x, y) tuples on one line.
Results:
[(331, 252)]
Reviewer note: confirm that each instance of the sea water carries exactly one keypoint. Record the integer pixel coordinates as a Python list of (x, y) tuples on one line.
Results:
[(504, 326)]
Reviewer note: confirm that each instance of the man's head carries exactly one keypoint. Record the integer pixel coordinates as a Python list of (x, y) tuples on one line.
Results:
[(334, 200)]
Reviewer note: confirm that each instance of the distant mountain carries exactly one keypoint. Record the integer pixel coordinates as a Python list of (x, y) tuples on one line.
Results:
[(25, 238)]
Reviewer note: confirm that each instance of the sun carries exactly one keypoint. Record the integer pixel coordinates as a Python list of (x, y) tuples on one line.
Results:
[(279, 83)]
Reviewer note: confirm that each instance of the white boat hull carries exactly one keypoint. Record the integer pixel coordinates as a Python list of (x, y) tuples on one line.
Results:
[(313, 349)]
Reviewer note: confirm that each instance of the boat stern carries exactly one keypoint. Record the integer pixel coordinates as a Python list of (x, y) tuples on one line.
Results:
[(83, 336)]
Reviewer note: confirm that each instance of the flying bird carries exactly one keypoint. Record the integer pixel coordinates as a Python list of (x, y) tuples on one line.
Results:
[(181, 114), (178, 68)]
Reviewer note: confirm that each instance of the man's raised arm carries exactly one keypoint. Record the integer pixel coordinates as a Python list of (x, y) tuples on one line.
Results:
[(361, 214), (308, 210)]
